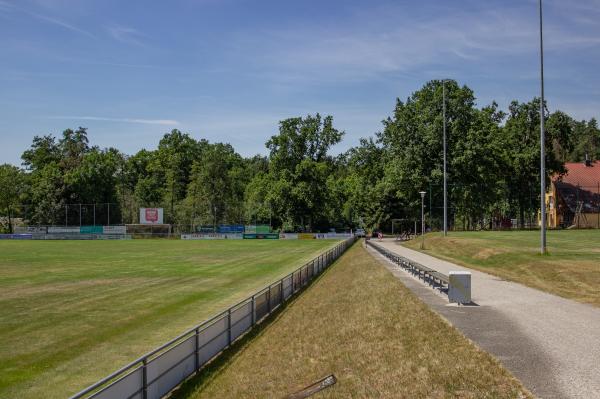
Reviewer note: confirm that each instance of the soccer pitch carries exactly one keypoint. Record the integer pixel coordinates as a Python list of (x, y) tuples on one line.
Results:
[(73, 311)]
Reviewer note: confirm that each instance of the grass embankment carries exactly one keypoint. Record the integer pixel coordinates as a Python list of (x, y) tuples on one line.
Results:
[(571, 269), (73, 311), (361, 324)]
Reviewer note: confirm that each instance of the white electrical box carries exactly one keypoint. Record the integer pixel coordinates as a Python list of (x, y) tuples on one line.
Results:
[(459, 288)]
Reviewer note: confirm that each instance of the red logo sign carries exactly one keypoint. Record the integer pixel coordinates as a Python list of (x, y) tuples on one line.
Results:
[(152, 215)]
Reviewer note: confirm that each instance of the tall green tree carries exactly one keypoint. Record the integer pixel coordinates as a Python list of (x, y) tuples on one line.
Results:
[(216, 187), (413, 144), (171, 166), (585, 140), (521, 140), (298, 171)]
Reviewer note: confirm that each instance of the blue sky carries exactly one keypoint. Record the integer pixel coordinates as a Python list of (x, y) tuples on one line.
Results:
[(229, 70)]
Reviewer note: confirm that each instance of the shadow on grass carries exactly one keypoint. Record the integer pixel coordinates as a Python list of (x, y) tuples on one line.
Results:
[(211, 370)]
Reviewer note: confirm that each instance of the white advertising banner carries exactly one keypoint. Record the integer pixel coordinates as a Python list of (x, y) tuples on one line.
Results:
[(61, 230), (114, 230), (211, 236), (30, 229), (151, 215), (288, 236)]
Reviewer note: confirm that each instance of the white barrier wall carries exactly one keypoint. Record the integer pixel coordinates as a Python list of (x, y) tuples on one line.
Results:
[(62, 229), (211, 236)]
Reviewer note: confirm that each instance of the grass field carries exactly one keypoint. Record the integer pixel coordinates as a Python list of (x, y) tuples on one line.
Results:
[(361, 324), (73, 311), (571, 269)]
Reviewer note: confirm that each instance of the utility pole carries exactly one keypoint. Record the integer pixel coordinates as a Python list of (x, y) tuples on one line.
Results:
[(445, 176), (542, 144)]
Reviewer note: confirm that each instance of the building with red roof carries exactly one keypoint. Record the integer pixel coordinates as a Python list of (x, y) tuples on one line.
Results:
[(574, 197)]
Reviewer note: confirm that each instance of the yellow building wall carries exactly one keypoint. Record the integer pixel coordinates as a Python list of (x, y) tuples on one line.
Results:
[(551, 214), (553, 219), (589, 220)]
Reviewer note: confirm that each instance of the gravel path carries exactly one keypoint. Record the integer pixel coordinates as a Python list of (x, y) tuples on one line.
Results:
[(550, 343)]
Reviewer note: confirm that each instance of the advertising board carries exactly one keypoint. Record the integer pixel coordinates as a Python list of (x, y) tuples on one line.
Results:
[(265, 236), (306, 236), (31, 229), (151, 215), (211, 236), (231, 229), (63, 230), (16, 236), (114, 230), (257, 229), (90, 229)]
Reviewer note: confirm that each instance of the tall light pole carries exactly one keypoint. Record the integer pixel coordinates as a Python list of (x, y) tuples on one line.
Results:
[(422, 219), (445, 177), (542, 144)]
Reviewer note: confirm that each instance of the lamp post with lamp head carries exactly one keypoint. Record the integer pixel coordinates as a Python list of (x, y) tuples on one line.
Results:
[(422, 219)]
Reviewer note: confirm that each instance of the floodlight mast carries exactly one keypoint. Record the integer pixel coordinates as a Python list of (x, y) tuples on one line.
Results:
[(445, 176), (422, 219), (542, 144)]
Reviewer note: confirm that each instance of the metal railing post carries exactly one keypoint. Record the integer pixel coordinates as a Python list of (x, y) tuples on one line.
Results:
[(197, 350), (229, 326), (253, 310), (145, 378), (281, 292), (269, 300), (293, 283)]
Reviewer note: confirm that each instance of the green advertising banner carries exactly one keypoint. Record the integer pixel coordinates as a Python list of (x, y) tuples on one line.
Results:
[(257, 229), (263, 229)]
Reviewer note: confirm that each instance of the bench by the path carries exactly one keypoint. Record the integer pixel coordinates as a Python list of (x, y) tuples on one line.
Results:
[(454, 287)]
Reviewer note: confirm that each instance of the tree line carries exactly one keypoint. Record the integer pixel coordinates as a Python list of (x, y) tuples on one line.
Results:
[(493, 170)]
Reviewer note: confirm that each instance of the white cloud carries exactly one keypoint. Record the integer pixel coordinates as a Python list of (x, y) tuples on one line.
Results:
[(8, 7), (62, 24), (385, 40), (163, 122), (126, 35)]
